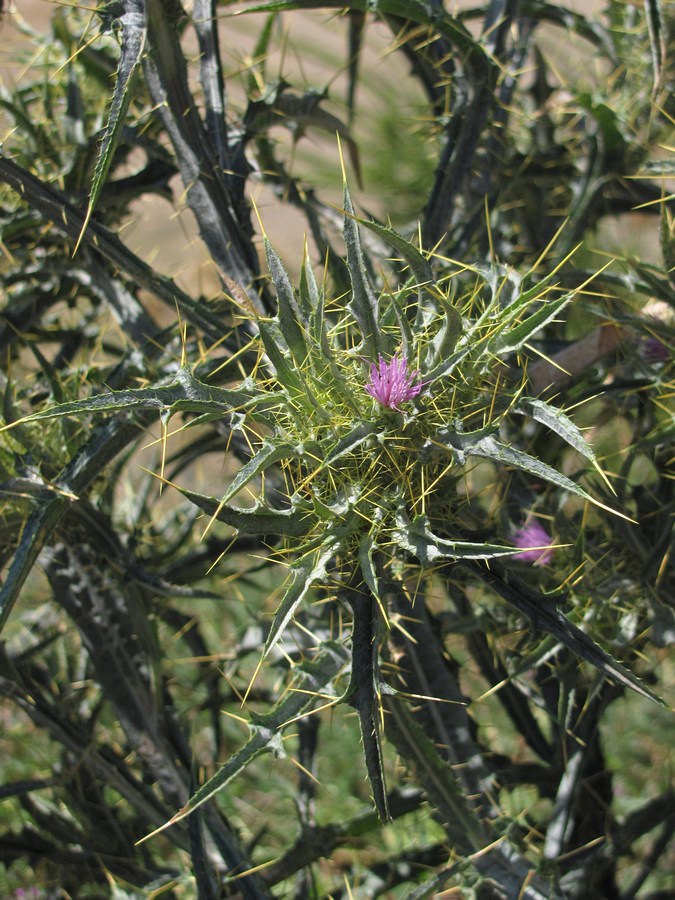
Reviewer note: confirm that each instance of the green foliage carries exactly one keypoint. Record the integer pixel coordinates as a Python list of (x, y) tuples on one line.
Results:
[(298, 507)]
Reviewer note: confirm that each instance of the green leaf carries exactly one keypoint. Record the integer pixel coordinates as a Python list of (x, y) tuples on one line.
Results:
[(657, 36), (545, 616), (363, 303), (443, 343), (184, 393), (509, 339), (106, 442), (417, 538), (349, 443), (485, 445), (311, 679), (271, 452), (278, 355), (307, 572), (556, 421), (134, 25), (362, 692), (419, 264), (256, 521), (292, 319)]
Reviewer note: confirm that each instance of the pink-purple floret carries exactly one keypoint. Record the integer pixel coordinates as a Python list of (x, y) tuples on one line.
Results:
[(654, 350), (391, 383), (533, 540)]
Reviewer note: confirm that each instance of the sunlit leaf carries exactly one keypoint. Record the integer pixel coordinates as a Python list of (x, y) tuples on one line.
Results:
[(133, 24)]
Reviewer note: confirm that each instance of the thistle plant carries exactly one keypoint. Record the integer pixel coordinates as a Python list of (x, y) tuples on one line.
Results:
[(361, 463), (437, 524)]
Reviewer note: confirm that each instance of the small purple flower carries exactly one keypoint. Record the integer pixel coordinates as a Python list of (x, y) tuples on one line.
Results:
[(534, 541), (654, 350), (391, 383)]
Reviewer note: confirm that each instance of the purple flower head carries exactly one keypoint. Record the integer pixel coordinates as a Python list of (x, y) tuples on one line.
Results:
[(654, 350), (533, 539), (391, 383)]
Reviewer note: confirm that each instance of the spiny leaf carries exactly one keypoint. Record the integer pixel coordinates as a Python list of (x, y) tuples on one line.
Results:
[(356, 24), (443, 343), (418, 263), (215, 196), (313, 299), (311, 679), (52, 204), (435, 774), (134, 25), (521, 299), (184, 393), (657, 36), (310, 296), (39, 525), (609, 126), (106, 442), (349, 443), (491, 448), (413, 10), (545, 616), (367, 547), (259, 520), (304, 574), (278, 355), (446, 366), (279, 106), (505, 283), (362, 692), (292, 318), (363, 303), (485, 445), (557, 421), (417, 538), (667, 239), (658, 168), (260, 54), (270, 452), (404, 327), (509, 339)]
